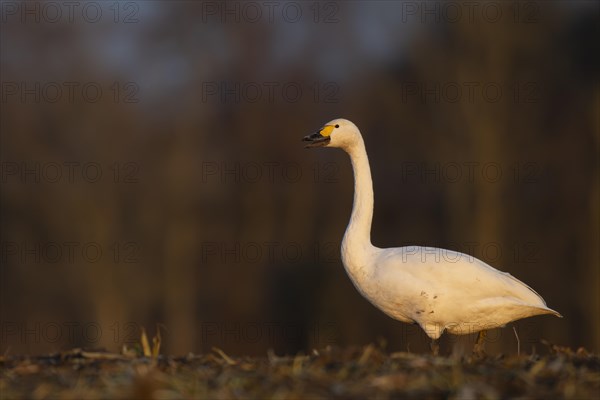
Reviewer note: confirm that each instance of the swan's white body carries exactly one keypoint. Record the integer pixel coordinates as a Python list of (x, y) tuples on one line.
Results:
[(441, 290)]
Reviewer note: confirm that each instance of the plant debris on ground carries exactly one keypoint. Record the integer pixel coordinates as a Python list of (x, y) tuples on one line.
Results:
[(350, 373)]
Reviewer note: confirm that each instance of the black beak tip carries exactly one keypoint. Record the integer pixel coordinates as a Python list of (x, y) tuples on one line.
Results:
[(314, 140), (308, 139)]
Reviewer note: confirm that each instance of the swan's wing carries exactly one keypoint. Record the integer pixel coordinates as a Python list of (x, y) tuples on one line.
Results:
[(457, 276)]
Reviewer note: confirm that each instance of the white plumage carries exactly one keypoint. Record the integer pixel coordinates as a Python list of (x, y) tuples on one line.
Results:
[(441, 290)]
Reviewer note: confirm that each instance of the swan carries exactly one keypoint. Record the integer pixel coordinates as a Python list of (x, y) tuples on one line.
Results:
[(441, 290)]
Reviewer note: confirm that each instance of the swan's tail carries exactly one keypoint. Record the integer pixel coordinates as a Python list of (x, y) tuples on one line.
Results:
[(551, 312)]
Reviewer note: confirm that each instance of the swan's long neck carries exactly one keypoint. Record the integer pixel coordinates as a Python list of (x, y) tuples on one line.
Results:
[(356, 245)]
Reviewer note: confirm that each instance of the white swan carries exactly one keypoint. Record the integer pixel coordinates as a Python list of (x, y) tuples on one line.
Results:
[(441, 290)]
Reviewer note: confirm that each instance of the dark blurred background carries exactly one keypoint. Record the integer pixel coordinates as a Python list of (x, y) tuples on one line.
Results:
[(152, 169)]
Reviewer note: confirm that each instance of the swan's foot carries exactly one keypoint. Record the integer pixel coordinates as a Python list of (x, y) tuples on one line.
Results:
[(435, 347), (478, 349)]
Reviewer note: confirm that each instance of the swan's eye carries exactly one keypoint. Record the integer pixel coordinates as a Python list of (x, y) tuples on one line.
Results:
[(337, 126)]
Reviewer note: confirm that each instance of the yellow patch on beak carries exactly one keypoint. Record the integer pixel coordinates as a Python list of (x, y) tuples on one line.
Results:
[(326, 130)]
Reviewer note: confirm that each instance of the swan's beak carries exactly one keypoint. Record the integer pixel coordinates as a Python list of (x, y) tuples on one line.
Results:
[(316, 140)]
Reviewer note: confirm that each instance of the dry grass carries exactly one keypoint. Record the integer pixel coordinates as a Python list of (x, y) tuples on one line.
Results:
[(330, 373)]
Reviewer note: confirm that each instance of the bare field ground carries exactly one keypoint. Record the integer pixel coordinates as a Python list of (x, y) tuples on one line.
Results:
[(349, 373)]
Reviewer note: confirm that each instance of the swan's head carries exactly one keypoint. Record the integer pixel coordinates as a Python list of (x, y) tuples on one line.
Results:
[(336, 133)]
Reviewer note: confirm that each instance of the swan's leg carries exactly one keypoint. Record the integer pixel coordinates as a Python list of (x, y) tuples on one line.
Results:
[(480, 343), (435, 347), (518, 341)]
